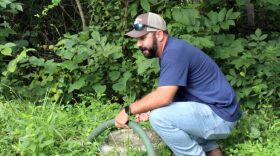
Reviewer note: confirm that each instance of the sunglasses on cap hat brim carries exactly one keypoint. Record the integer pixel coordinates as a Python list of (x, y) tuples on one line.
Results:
[(139, 31), (140, 26)]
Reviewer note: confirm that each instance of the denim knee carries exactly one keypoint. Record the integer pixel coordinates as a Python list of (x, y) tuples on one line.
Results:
[(156, 118)]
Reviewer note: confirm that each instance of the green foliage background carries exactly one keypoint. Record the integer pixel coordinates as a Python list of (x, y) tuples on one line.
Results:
[(46, 53), (44, 48)]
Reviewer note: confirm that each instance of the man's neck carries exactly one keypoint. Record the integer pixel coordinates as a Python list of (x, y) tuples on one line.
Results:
[(162, 45)]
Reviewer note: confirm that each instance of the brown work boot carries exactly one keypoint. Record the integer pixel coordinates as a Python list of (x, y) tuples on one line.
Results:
[(214, 152)]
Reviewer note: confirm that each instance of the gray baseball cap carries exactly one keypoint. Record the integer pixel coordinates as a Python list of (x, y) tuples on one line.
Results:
[(145, 23)]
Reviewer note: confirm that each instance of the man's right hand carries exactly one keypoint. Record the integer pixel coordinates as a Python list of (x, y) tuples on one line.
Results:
[(121, 119), (142, 117)]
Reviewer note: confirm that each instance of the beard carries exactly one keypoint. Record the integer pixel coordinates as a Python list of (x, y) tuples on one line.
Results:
[(150, 52)]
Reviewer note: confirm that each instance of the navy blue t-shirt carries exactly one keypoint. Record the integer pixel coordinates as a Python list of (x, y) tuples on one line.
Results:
[(198, 77)]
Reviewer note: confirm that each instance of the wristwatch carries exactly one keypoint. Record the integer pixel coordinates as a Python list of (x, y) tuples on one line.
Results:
[(127, 110)]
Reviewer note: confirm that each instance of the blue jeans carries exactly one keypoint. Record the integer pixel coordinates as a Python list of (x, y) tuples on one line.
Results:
[(189, 128)]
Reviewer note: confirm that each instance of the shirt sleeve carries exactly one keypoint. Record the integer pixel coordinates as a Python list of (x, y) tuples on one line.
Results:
[(173, 70)]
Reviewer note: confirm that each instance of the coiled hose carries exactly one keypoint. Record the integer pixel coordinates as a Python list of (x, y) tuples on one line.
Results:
[(136, 128)]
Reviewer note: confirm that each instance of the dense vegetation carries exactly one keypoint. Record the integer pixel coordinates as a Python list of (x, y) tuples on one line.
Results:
[(65, 50), (52, 129)]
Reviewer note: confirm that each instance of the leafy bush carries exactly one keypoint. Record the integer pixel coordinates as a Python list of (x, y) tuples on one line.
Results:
[(100, 60), (85, 63), (42, 54), (251, 66), (256, 134)]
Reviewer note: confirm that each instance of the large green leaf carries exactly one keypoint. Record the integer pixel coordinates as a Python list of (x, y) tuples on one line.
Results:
[(50, 66), (126, 75), (177, 15), (133, 9), (113, 51), (12, 66), (246, 60), (7, 48), (77, 85), (227, 46), (258, 32), (96, 35), (4, 3), (69, 65), (143, 64), (66, 54), (68, 43), (10, 44), (99, 88), (81, 56), (6, 51), (114, 75), (224, 25), (83, 36), (222, 14), (120, 86), (186, 16), (213, 17), (234, 15), (145, 5), (36, 62), (18, 6), (228, 14), (200, 42), (226, 52)]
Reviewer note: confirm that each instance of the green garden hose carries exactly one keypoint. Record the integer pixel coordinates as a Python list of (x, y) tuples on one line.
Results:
[(133, 125)]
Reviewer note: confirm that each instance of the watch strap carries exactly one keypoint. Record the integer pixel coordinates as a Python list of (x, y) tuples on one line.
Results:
[(127, 110)]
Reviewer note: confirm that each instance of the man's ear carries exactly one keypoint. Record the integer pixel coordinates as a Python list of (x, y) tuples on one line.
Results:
[(160, 35)]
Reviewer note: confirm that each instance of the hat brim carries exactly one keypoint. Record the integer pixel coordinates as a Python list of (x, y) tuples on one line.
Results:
[(136, 34)]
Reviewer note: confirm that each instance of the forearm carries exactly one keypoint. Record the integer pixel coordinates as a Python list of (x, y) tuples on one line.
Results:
[(149, 102), (160, 97)]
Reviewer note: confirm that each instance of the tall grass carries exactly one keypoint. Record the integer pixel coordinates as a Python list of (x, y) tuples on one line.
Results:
[(50, 129), (257, 134)]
